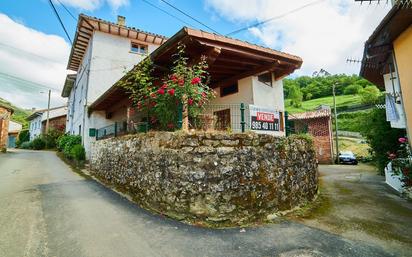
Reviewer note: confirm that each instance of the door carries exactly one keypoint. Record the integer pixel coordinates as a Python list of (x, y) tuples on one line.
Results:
[(12, 141)]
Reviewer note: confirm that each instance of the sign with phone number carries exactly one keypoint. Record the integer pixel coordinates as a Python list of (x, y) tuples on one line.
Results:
[(264, 119)]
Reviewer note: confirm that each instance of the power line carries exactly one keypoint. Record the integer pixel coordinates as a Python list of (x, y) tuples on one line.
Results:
[(28, 83), (275, 18), (60, 20), (187, 15), (166, 12), (67, 10)]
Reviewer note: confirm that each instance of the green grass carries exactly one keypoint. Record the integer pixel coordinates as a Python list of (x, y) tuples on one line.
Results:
[(341, 101), (19, 114)]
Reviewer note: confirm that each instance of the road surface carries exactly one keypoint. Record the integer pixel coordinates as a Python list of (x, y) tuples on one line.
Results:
[(48, 210)]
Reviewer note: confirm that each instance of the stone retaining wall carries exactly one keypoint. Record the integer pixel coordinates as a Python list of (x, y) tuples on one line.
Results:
[(211, 177)]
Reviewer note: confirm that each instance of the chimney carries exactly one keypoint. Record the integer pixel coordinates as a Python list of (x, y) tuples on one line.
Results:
[(33, 109), (121, 20)]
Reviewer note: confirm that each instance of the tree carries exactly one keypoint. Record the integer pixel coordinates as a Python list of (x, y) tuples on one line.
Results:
[(352, 89), (295, 96), (382, 138), (370, 95)]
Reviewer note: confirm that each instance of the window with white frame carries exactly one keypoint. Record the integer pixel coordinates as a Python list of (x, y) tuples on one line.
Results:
[(138, 48)]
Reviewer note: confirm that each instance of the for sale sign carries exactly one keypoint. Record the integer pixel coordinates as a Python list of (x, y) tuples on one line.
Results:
[(264, 119)]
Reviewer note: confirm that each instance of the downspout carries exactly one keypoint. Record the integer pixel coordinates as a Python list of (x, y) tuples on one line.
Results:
[(87, 91)]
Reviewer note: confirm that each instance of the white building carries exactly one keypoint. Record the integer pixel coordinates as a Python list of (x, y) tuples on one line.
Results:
[(37, 120), (240, 72), (101, 54)]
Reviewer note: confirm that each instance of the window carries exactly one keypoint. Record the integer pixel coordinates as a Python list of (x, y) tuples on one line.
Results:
[(228, 90), (138, 48), (266, 78)]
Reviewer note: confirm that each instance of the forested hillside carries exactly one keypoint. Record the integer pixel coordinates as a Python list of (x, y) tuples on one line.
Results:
[(19, 114), (306, 93)]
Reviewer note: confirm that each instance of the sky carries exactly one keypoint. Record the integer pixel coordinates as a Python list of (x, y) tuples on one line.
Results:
[(34, 49)]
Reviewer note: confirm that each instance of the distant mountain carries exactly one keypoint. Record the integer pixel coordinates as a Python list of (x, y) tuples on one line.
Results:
[(19, 114)]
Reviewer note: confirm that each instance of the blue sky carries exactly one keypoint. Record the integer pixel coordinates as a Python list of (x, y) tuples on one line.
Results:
[(34, 49)]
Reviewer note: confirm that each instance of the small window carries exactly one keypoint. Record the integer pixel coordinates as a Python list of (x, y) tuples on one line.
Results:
[(138, 48), (228, 90), (266, 78)]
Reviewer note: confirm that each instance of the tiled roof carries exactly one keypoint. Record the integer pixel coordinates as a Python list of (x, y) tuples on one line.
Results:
[(310, 115)]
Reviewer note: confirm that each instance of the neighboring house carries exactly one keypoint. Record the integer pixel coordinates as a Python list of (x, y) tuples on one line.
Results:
[(387, 63), (14, 130), (240, 73), (102, 52), (5, 114), (38, 120), (318, 124)]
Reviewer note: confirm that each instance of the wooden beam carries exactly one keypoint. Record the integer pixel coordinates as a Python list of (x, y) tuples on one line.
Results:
[(237, 77), (236, 61), (248, 53)]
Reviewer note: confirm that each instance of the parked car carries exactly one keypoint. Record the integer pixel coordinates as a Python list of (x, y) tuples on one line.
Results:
[(348, 157)]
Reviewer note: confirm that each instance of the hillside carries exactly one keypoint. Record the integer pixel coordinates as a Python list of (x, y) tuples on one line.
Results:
[(19, 114), (310, 105)]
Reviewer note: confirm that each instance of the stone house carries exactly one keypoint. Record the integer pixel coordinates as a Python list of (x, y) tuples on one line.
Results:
[(240, 72), (318, 124), (38, 119), (387, 63), (102, 52)]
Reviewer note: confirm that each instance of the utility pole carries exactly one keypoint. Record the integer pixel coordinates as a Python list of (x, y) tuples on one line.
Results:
[(336, 122), (48, 110)]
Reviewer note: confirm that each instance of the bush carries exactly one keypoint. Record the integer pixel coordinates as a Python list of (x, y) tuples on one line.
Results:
[(381, 137), (352, 89), (51, 138), (65, 144), (370, 95), (78, 153), (38, 143), (26, 145), (24, 136)]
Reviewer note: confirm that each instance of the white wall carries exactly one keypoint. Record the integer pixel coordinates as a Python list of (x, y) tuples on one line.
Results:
[(107, 59), (252, 91), (35, 127), (14, 126)]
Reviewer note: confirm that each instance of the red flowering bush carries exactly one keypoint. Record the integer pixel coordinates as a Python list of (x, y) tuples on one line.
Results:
[(402, 161), (184, 86)]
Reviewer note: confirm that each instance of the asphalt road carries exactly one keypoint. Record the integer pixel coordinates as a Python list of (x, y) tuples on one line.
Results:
[(48, 210)]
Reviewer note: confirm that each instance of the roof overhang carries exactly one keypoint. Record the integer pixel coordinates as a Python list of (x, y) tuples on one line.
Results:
[(86, 26), (68, 84), (229, 60), (379, 46), (34, 115)]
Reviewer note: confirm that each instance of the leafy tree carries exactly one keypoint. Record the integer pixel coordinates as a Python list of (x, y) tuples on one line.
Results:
[(295, 96), (370, 95), (382, 138), (352, 89)]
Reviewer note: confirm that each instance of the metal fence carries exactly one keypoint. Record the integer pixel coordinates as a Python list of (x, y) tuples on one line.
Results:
[(213, 117), (222, 117), (113, 130)]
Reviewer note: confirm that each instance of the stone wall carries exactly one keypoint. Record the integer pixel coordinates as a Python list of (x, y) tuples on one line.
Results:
[(210, 177)]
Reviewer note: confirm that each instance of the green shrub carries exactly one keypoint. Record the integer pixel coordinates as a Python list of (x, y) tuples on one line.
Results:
[(38, 143), (78, 153), (26, 145), (381, 137), (51, 138), (24, 136), (352, 89), (65, 143)]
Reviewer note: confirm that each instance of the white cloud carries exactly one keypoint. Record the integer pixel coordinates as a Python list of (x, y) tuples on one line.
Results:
[(91, 5), (324, 34), (29, 59)]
